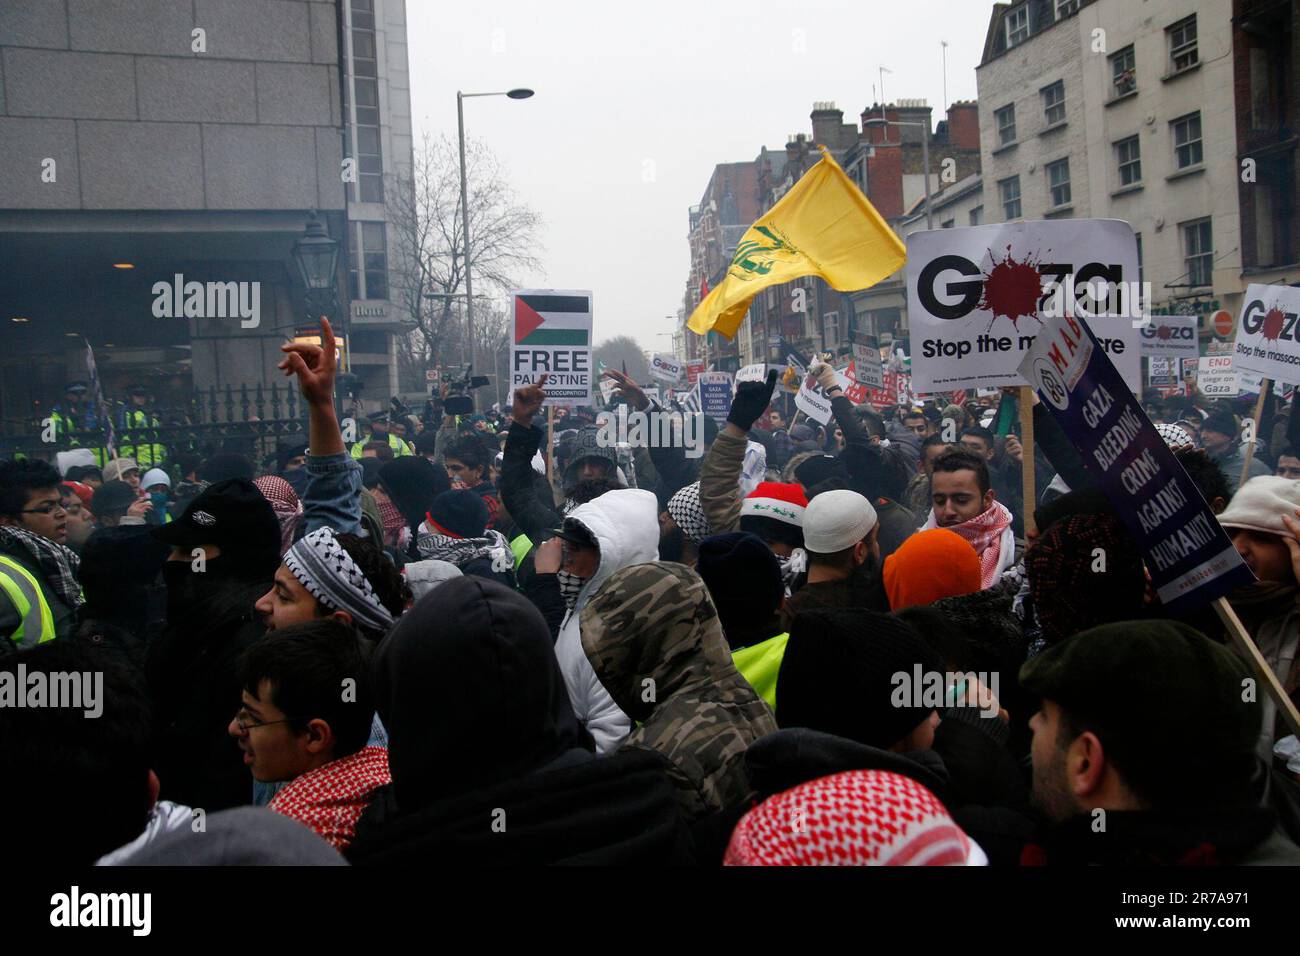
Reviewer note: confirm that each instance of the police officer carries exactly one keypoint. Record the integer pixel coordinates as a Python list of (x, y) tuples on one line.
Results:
[(379, 432), (131, 419)]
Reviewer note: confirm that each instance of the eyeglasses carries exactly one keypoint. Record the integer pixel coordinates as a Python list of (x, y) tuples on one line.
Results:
[(246, 722), (44, 510)]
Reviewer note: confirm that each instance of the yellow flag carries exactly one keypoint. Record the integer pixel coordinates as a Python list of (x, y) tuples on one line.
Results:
[(823, 226)]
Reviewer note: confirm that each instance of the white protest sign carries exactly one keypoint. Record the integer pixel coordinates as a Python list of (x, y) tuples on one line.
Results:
[(976, 297), (607, 386), (1162, 371), (752, 373), (652, 393), (1268, 341), (867, 368), (1216, 377), (551, 333), (1173, 336), (812, 402), (666, 368)]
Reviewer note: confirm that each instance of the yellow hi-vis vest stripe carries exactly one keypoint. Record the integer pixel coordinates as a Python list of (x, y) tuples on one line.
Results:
[(760, 663), (24, 593), (521, 546)]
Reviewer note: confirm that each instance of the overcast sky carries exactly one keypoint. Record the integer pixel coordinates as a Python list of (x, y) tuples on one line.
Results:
[(662, 92)]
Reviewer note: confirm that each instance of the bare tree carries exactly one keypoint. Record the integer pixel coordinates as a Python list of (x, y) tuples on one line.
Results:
[(623, 350), (430, 258)]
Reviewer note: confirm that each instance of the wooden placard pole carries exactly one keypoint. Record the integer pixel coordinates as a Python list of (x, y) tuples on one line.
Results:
[(1254, 434), (1029, 497), (1263, 673), (550, 447)]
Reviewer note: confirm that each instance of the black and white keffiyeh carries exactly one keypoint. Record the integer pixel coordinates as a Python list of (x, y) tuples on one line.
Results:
[(687, 511), (330, 575), (58, 564), (460, 551)]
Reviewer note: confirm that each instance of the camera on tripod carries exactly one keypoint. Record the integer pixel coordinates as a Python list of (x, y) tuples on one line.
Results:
[(458, 400)]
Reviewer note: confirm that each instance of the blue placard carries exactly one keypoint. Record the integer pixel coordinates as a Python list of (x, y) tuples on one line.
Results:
[(715, 395), (1189, 555)]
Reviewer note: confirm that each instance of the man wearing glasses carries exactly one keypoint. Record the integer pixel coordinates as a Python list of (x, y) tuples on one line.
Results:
[(39, 590)]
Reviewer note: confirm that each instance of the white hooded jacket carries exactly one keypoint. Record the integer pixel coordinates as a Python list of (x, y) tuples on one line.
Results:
[(625, 523)]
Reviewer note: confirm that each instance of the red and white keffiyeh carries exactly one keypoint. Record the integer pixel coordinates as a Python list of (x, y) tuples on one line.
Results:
[(859, 818), (990, 534), (330, 799), (286, 505)]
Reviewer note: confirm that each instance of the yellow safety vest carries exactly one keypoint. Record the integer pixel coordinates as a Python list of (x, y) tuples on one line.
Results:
[(521, 546), (24, 592), (398, 446), (760, 663)]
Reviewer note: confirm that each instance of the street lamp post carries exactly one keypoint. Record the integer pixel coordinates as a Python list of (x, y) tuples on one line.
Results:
[(516, 94), (925, 158), (317, 256)]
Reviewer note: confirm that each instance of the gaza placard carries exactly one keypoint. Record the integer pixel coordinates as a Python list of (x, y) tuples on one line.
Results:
[(1268, 339), (977, 297)]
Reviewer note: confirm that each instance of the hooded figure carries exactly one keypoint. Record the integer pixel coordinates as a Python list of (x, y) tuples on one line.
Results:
[(625, 526), (654, 639), (412, 483), (489, 764)]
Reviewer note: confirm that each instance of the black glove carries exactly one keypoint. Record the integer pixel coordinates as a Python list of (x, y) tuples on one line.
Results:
[(750, 401)]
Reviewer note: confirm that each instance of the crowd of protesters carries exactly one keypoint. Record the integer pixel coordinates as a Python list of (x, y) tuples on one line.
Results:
[(452, 640)]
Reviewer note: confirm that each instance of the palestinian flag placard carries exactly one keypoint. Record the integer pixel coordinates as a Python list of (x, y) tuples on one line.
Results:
[(552, 333)]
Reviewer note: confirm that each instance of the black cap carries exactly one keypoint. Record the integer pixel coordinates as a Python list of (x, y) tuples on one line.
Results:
[(575, 533), (235, 516), (380, 416), (1158, 693), (138, 390), (111, 499)]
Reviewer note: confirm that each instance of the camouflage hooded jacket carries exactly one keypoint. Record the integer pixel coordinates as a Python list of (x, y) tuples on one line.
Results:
[(654, 639)]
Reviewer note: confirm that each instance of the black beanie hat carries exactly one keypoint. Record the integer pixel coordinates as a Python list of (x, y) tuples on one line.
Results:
[(1166, 703), (461, 513), (224, 465), (1221, 422), (743, 577), (837, 675), (412, 483), (112, 499), (819, 468)]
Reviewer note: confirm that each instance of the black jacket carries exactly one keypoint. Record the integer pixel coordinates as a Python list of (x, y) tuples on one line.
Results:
[(193, 683), (612, 811), (534, 515)]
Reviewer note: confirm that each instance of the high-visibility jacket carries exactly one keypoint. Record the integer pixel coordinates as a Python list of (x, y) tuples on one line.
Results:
[(146, 454), (521, 546), (398, 446), (759, 664), (36, 619)]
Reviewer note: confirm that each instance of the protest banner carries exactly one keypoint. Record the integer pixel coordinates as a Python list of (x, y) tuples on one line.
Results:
[(812, 401), (1188, 554), (689, 400), (551, 333), (977, 296), (652, 393), (1216, 376), (665, 368), (693, 370), (868, 370), (715, 395), (1170, 336), (1162, 371), (854, 391), (607, 386), (1268, 342), (752, 373)]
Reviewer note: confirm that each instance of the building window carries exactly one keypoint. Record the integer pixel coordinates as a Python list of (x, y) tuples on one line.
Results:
[(1187, 140), (1054, 103), (1009, 192), (1182, 45), (1066, 7), (364, 139), (1128, 153), (831, 324), (1058, 182), (947, 223), (1018, 25), (1123, 72), (977, 215), (367, 260), (1198, 252), (1005, 119)]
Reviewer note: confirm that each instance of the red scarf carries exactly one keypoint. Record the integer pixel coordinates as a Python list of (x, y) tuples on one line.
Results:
[(330, 799), (984, 532)]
